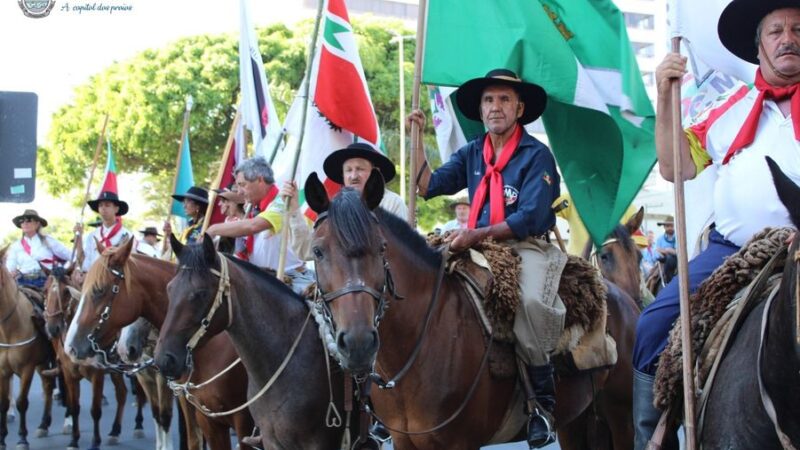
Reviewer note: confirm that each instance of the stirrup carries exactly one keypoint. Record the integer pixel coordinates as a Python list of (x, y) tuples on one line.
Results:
[(549, 435), (379, 432)]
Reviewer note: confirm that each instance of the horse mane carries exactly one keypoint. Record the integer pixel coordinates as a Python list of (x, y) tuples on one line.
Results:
[(352, 223), (193, 258), (408, 236), (622, 236), (99, 274), (8, 285)]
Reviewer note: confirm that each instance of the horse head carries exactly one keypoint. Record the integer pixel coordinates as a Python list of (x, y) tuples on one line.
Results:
[(133, 340), (60, 298), (103, 309), (191, 294), (618, 258), (351, 269)]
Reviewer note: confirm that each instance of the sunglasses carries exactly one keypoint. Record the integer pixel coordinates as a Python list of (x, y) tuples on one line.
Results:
[(29, 219)]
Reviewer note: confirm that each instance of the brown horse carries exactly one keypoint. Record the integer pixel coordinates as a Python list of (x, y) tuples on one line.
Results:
[(762, 363), (136, 343), (23, 350), (271, 327), (59, 307), (121, 287), (442, 397)]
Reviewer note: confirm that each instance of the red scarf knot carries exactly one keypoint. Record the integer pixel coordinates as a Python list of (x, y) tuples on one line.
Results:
[(106, 240), (492, 181), (765, 91)]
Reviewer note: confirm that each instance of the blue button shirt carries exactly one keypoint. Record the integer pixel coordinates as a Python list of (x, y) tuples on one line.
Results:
[(664, 241), (530, 184)]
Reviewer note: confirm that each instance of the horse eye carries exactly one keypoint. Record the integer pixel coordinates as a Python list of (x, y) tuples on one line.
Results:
[(383, 247), (317, 252), (604, 257)]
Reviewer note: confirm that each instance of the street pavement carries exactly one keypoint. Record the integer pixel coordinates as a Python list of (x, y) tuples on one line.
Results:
[(57, 440)]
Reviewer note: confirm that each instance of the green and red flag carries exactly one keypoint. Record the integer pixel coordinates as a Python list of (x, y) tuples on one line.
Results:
[(599, 120), (110, 178), (340, 108)]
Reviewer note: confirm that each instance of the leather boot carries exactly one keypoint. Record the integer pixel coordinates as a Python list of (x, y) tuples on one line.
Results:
[(540, 425), (645, 415)]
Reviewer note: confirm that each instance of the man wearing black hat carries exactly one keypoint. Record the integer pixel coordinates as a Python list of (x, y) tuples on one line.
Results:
[(512, 181), (195, 203), (26, 257), (147, 246), (748, 124), (111, 232), (351, 167)]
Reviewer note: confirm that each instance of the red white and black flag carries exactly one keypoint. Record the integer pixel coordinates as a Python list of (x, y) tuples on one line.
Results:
[(258, 111)]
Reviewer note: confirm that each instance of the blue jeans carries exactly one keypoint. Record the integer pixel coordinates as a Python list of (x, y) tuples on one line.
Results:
[(652, 330), (37, 283)]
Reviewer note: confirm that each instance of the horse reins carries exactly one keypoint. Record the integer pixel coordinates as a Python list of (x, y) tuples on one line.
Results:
[(596, 250)]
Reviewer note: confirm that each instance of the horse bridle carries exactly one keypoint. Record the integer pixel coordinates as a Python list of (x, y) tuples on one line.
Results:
[(128, 369), (323, 299), (593, 256), (64, 312)]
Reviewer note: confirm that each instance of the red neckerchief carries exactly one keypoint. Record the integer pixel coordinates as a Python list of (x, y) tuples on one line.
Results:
[(492, 181), (765, 90), (250, 240), (26, 246), (106, 240)]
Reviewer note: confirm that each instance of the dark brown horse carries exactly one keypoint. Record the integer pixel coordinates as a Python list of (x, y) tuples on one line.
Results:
[(441, 352), (767, 357), (119, 288), (59, 309), (23, 351), (274, 333)]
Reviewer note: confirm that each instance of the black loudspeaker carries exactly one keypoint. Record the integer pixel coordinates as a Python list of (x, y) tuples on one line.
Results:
[(18, 146)]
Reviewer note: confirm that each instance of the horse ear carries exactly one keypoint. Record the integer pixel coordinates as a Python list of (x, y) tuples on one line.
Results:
[(209, 251), (635, 221), (176, 245), (316, 195), (74, 292), (124, 252), (100, 247), (374, 189), (68, 269), (788, 191)]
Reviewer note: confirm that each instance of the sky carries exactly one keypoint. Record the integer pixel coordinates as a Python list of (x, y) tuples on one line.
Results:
[(50, 56)]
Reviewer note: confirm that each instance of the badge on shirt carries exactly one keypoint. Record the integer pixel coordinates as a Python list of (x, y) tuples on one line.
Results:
[(547, 178), (510, 193)]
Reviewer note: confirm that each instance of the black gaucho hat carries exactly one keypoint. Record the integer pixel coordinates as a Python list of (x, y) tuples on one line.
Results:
[(195, 193), (739, 21), (334, 162), (468, 96), (107, 196)]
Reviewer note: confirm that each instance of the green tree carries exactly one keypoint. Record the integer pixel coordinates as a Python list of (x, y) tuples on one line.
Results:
[(145, 96)]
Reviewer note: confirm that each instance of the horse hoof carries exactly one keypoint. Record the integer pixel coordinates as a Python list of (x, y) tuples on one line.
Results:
[(112, 440), (73, 448), (66, 429), (138, 434), (23, 446), (41, 432)]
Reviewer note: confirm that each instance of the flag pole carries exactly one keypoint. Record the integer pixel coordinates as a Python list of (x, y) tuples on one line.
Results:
[(416, 133), (683, 264), (89, 182), (401, 77), (311, 51), (212, 195), (277, 146), (189, 103)]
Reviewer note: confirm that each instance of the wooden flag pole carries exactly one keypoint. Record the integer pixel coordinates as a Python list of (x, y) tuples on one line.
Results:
[(212, 194), (89, 182), (683, 263), (189, 103), (311, 51), (416, 133)]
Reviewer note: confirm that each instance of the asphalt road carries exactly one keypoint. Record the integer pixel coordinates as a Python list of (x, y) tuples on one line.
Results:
[(57, 440)]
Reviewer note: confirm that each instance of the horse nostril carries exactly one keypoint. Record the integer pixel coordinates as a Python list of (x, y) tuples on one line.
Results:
[(375, 338), (132, 353), (341, 341)]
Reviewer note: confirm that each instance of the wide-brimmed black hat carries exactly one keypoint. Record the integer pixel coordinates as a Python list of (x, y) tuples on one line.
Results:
[(468, 96), (195, 193), (112, 197), (150, 230), (95, 223), (334, 162), (739, 21), (29, 214)]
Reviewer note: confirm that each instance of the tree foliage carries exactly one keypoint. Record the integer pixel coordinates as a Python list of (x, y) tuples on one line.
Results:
[(145, 98)]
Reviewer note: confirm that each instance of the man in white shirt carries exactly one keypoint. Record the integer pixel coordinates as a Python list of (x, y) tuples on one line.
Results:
[(149, 243), (26, 257), (262, 225), (350, 167), (461, 209), (110, 233)]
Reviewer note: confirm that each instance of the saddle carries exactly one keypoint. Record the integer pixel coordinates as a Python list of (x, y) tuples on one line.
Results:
[(718, 307)]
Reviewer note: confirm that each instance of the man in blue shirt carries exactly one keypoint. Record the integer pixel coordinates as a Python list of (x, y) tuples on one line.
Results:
[(512, 181)]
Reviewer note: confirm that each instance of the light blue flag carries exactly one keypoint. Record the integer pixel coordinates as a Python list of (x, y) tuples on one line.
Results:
[(185, 177)]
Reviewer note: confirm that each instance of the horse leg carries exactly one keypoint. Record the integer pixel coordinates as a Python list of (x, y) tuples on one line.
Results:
[(217, 433), (194, 436), (142, 396), (243, 424), (98, 379), (72, 393), (163, 398), (48, 385), (22, 405), (121, 392), (5, 403), (572, 435)]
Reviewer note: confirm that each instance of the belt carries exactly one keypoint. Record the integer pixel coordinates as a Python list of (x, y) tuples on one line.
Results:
[(33, 275)]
